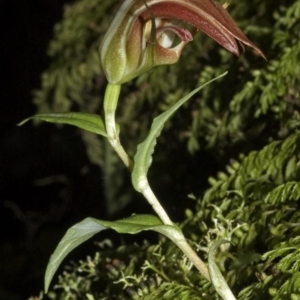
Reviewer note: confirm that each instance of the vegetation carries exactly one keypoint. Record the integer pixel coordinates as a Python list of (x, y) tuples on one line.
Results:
[(246, 128)]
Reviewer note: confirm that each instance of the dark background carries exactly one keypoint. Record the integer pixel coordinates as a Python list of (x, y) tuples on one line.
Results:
[(45, 175), (47, 182)]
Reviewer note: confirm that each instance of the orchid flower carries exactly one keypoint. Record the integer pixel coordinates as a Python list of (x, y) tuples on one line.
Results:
[(142, 34)]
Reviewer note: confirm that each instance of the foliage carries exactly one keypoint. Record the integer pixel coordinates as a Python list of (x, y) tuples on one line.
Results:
[(254, 205), (251, 119)]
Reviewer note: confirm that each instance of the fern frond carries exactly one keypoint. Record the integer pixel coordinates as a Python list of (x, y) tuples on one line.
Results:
[(289, 191)]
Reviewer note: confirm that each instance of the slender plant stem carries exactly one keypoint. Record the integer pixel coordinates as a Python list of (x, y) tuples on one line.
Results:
[(111, 98), (110, 104), (151, 198), (179, 241), (194, 258)]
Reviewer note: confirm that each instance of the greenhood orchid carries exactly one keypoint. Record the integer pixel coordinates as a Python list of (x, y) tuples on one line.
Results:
[(142, 33)]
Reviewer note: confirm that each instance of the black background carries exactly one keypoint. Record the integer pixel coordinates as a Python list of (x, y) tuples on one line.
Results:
[(45, 175)]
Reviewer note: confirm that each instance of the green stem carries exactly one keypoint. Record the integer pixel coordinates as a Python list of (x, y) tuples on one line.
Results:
[(178, 240), (111, 98), (153, 201), (110, 104), (194, 258)]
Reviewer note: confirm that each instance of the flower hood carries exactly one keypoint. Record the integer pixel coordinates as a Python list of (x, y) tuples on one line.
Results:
[(142, 33)]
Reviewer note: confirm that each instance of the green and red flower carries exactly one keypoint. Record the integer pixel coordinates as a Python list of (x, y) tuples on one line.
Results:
[(142, 34)]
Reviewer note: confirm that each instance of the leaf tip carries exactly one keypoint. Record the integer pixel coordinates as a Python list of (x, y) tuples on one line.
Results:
[(23, 122)]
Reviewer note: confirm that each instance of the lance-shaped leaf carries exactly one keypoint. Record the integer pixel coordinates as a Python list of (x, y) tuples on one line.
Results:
[(84, 230), (143, 157), (88, 122), (142, 33)]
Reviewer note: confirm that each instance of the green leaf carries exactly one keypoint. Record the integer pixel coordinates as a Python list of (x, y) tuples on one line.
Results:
[(88, 122), (143, 157), (75, 236), (84, 230), (216, 276), (289, 191)]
